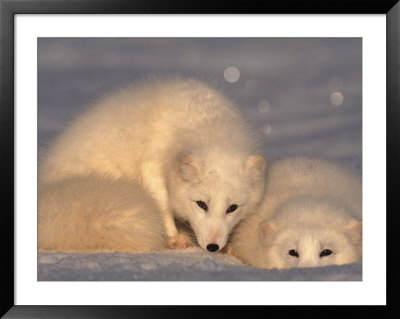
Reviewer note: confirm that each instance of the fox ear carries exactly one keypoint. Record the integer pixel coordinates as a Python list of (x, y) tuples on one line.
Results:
[(354, 230), (186, 166), (255, 168), (266, 229)]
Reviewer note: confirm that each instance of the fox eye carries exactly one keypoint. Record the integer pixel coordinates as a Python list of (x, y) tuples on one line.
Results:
[(293, 253), (325, 252), (202, 205), (231, 208)]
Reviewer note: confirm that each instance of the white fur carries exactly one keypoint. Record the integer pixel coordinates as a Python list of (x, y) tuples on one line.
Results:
[(310, 205), (182, 140), (90, 212)]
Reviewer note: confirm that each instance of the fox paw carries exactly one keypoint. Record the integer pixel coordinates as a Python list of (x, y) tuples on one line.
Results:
[(228, 249), (179, 241)]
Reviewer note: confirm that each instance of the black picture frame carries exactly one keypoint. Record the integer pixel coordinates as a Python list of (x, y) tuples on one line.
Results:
[(8, 10)]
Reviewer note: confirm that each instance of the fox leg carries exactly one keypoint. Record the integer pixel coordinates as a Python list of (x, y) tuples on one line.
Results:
[(152, 180), (174, 239)]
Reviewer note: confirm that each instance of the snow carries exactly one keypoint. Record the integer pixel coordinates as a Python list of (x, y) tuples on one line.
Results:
[(303, 96), (190, 264)]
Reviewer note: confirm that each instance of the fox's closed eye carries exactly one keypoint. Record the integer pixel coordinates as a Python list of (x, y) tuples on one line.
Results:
[(202, 205), (231, 208)]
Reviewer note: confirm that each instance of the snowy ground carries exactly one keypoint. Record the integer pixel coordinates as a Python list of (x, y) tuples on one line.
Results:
[(191, 264), (302, 95)]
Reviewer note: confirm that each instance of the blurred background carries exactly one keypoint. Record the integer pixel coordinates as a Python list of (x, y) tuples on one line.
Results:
[(303, 95)]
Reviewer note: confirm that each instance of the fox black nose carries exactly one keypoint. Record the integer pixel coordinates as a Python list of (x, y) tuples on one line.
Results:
[(212, 247)]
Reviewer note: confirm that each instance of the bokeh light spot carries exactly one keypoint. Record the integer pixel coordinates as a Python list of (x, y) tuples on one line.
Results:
[(336, 98), (264, 106), (267, 129), (231, 74)]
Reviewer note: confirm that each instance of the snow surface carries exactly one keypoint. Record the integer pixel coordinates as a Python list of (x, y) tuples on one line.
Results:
[(302, 95), (190, 264)]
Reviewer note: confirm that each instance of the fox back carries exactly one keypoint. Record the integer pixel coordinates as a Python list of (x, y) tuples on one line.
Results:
[(93, 212)]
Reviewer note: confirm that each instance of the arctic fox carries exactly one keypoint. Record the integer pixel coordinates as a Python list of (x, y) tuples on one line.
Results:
[(90, 212), (310, 216), (185, 142)]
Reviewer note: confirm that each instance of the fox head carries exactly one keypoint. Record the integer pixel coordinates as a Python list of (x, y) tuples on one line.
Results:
[(214, 193), (319, 238)]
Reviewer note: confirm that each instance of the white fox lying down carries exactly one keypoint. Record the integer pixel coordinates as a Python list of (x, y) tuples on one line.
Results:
[(310, 216)]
